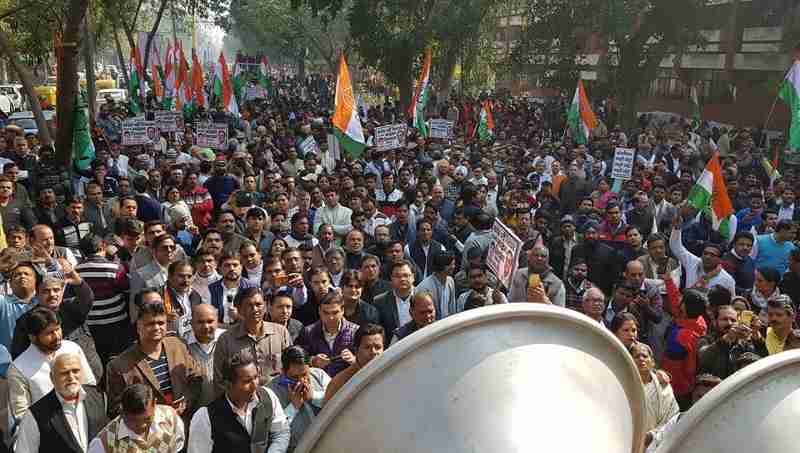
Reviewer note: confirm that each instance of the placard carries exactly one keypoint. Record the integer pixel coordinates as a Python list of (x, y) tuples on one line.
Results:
[(622, 167), (392, 136), (212, 135), (441, 128), (254, 92), (169, 121), (139, 132), (503, 254), (309, 145)]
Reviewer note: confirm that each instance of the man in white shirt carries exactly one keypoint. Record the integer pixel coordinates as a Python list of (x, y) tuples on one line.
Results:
[(245, 415), (205, 264), (29, 375), (68, 417), (705, 272), (334, 214)]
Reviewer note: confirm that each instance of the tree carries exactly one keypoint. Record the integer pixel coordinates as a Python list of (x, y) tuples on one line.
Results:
[(36, 33), (296, 34), (633, 37)]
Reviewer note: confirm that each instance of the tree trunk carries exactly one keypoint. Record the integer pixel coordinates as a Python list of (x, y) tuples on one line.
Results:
[(68, 79), (88, 55), (153, 32), (26, 77), (406, 92), (448, 68), (301, 64), (122, 67)]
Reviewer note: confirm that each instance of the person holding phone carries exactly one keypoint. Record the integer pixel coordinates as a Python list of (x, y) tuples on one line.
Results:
[(718, 352)]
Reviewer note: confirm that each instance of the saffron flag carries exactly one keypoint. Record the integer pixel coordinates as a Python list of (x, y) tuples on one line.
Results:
[(417, 107), (580, 117), (198, 83), (346, 125)]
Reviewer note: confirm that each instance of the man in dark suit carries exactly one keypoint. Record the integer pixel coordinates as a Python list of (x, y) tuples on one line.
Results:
[(393, 306), (422, 250), (56, 422), (180, 297)]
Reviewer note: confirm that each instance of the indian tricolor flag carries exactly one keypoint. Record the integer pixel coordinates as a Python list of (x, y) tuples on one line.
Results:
[(417, 107), (346, 125), (580, 117), (223, 86), (485, 127), (710, 195), (263, 75), (790, 93)]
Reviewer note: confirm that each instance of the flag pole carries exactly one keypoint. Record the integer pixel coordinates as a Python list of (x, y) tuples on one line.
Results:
[(774, 103)]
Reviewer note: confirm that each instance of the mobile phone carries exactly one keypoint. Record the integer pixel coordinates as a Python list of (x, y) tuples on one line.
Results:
[(746, 317), (534, 280)]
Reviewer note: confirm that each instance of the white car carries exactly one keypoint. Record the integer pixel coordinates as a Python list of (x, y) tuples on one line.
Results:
[(6, 104), (26, 121), (117, 94), (13, 91)]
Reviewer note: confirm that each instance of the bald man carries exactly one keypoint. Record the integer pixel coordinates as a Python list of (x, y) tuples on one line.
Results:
[(202, 340), (67, 418)]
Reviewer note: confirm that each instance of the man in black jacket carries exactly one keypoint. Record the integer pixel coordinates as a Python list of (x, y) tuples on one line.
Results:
[(602, 260), (46, 426), (73, 314)]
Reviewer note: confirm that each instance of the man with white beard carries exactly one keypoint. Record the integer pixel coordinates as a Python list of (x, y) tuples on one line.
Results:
[(68, 417)]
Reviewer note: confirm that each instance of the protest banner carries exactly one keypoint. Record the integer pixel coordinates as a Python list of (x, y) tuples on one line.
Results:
[(139, 132), (441, 128), (622, 168), (392, 136), (212, 135), (503, 253), (169, 121), (309, 145), (253, 92)]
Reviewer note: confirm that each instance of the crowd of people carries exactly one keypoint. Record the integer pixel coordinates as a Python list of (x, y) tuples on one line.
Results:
[(177, 298)]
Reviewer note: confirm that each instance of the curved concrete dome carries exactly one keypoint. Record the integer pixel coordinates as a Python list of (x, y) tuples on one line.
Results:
[(755, 410), (513, 378)]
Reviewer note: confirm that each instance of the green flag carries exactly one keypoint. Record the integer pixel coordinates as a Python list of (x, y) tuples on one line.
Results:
[(82, 145)]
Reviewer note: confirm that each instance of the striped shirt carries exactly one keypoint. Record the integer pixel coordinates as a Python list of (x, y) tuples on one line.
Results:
[(160, 369), (110, 286)]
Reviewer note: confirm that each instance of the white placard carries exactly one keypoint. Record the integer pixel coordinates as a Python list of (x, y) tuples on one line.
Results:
[(212, 135), (309, 145), (392, 136), (622, 167), (169, 121), (441, 128), (139, 132)]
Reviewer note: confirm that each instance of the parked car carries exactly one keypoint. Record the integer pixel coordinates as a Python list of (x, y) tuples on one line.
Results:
[(14, 91), (26, 121), (6, 104)]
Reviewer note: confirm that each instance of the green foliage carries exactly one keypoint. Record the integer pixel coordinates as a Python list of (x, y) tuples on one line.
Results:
[(273, 26), (633, 37)]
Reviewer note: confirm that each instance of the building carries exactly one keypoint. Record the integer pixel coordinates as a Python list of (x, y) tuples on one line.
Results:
[(737, 71)]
